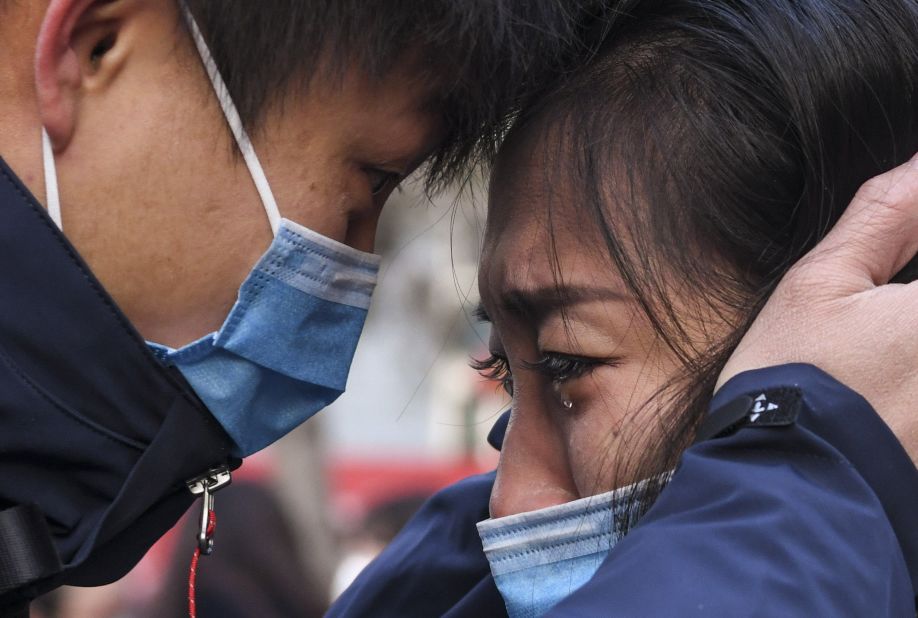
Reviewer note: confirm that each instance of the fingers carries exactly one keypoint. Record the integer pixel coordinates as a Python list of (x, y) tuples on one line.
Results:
[(878, 233)]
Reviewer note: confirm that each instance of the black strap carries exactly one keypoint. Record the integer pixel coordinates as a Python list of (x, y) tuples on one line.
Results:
[(723, 419), (772, 407), (27, 552)]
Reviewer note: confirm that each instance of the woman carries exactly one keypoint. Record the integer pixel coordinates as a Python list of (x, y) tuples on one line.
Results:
[(641, 214)]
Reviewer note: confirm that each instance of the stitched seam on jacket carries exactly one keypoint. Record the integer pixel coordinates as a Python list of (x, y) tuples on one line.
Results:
[(802, 454), (102, 431)]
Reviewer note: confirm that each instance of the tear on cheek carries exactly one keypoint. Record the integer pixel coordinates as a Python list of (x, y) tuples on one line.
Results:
[(562, 397)]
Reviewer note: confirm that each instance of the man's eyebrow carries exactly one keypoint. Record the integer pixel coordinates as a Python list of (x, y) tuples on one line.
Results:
[(536, 304)]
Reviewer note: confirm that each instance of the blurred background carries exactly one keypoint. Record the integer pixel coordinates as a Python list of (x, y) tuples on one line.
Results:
[(303, 517)]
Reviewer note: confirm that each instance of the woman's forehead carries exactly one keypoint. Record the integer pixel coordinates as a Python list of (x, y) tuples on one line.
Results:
[(531, 181), (532, 248), (541, 234), (535, 195)]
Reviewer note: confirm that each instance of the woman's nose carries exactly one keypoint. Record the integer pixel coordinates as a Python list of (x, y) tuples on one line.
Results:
[(534, 472)]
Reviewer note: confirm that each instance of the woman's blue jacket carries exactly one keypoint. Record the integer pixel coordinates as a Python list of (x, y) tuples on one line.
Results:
[(805, 507)]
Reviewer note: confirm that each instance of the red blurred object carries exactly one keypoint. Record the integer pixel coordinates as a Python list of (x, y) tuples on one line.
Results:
[(357, 485)]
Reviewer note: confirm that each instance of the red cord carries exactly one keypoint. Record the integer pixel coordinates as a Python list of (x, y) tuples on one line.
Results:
[(192, 576)]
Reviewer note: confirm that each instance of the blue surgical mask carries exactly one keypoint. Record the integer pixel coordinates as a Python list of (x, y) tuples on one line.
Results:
[(540, 557), (285, 350)]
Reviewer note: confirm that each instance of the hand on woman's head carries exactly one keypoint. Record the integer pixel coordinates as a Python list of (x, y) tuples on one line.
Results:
[(837, 310)]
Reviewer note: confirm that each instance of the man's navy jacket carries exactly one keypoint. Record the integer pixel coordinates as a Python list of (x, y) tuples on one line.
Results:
[(808, 511), (94, 431)]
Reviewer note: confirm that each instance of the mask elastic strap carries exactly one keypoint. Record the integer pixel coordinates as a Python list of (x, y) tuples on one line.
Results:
[(52, 197), (235, 123)]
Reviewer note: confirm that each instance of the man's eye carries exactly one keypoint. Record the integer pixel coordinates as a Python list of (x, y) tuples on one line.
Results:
[(380, 180)]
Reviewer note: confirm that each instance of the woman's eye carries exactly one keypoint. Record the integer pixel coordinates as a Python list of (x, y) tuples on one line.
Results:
[(560, 368), (497, 369), (381, 180)]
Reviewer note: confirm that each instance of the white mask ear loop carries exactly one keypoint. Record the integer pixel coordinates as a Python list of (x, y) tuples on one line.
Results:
[(52, 197), (235, 123)]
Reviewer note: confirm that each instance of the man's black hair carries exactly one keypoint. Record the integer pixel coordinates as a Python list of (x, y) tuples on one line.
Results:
[(485, 56)]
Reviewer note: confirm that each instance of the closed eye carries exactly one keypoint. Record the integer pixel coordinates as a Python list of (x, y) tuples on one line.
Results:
[(560, 368), (380, 180)]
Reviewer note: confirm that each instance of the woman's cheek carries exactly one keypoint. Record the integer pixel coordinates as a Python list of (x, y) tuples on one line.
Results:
[(573, 397), (593, 436), (600, 388), (607, 422), (591, 406)]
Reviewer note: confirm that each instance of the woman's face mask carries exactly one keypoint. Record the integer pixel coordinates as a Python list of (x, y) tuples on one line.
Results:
[(285, 349), (540, 557)]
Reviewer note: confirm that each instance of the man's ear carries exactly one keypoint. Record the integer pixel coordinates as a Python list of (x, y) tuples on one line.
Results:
[(77, 52)]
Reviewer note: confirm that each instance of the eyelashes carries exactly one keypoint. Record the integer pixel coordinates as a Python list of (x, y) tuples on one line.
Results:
[(558, 368), (495, 368), (381, 179)]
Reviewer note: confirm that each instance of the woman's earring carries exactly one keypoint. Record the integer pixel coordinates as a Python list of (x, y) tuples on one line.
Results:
[(567, 403)]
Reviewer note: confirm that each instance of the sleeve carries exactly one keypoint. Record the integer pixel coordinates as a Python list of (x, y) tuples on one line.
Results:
[(434, 566), (804, 508)]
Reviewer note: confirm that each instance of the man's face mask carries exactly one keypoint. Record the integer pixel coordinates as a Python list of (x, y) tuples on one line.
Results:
[(540, 557), (286, 347)]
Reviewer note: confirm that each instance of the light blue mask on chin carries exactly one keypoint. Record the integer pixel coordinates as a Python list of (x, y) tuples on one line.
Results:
[(285, 349), (540, 557)]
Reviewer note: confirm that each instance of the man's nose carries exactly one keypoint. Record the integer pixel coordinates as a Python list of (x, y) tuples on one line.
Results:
[(534, 472)]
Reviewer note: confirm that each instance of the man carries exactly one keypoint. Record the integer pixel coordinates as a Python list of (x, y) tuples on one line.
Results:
[(110, 119)]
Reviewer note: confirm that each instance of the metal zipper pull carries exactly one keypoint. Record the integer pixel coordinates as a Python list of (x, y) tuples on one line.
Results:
[(206, 486)]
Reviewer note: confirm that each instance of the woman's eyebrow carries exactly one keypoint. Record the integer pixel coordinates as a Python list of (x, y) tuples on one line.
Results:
[(536, 304)]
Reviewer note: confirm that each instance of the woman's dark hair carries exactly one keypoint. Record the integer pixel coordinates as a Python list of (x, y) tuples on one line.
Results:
[(483, 56), (713, 143)]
